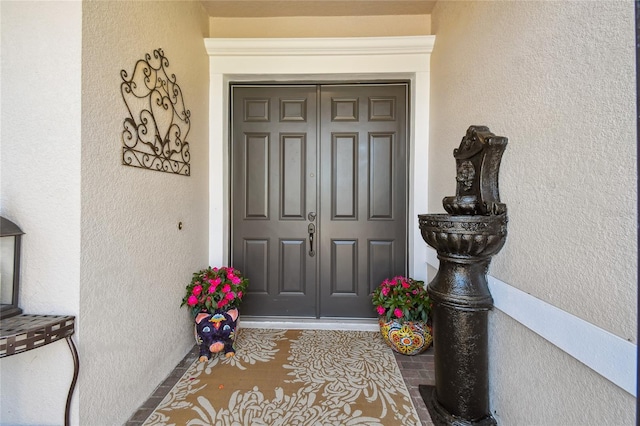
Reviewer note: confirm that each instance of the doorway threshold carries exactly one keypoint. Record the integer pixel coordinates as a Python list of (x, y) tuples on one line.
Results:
[(303, 323)]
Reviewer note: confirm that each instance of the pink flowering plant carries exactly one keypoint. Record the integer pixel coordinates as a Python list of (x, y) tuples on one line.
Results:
[(214, 289), (402, 298)]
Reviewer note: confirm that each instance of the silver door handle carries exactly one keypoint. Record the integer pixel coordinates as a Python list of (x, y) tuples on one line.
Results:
[(312, 230)]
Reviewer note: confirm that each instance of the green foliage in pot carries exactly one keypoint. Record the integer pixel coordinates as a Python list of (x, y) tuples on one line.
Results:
[(214, 289), (402, 298)]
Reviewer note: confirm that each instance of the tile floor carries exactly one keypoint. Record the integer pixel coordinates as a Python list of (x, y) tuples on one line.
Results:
[(416, 370)]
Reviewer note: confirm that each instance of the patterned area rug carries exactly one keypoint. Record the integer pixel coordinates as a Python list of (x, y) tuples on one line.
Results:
[(293, 377)]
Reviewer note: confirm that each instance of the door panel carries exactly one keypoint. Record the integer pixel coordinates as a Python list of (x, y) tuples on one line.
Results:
[(292, 176), (363, 190), (381, 176), (350, 172), (256, 176), (273, 134), (343, 169), (292, 267)]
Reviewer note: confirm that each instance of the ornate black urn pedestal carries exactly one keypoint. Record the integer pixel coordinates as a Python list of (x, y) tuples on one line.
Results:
[(474, 230)]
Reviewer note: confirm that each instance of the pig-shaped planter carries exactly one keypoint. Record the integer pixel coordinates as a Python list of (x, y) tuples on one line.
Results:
[(216, 332)]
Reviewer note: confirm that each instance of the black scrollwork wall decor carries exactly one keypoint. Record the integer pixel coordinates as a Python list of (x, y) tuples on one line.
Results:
[(155, 133)]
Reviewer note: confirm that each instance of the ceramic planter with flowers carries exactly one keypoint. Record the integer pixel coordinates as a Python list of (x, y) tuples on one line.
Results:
[(213, 296), (404, 309)]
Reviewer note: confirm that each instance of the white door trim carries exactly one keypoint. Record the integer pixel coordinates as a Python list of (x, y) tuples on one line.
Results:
[(318, 59)]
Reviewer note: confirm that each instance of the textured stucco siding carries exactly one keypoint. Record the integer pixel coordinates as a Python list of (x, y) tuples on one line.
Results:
[(557, 79), (40, 173), (135, 260), (534, 383)]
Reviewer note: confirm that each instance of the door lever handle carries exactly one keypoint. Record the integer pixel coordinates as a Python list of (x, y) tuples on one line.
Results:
[(312, 230)]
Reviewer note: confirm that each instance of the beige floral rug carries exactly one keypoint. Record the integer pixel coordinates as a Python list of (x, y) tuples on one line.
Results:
[(293, 377)]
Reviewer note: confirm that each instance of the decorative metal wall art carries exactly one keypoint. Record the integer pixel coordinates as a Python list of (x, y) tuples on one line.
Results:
[(155, 133)]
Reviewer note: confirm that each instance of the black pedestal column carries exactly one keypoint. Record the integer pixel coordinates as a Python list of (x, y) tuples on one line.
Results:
[(465, 240)]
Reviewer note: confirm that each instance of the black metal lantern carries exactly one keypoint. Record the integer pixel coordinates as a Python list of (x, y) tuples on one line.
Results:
[(10, 236)]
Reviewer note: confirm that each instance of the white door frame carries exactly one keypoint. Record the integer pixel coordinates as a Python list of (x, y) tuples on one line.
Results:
[(318, 59)]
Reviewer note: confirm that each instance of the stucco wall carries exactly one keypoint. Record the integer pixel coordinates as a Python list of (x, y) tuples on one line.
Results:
[(321, 26), (557, 79), (40, 192), (135, 260)]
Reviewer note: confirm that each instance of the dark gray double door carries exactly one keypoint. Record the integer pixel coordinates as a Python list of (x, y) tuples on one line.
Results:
[(319, 195)]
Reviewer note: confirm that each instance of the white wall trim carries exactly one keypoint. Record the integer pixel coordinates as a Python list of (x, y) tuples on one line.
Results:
[(318, 59), (607, 354), (319, 46), (346, 324)]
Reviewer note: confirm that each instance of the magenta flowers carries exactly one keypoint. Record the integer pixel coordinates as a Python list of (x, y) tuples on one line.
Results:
[(224, 286), (402, 298)]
